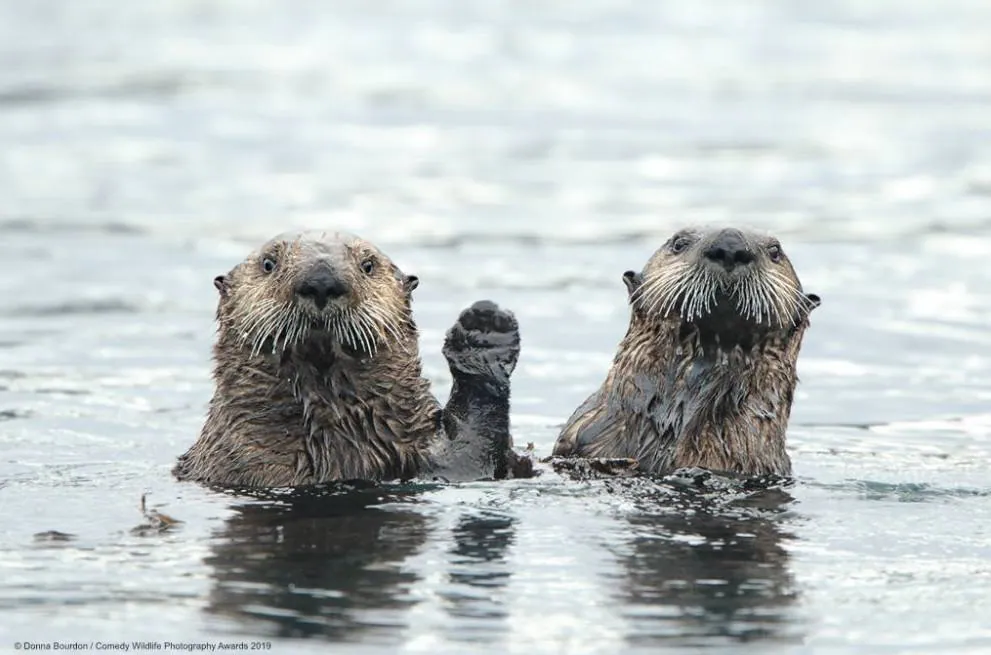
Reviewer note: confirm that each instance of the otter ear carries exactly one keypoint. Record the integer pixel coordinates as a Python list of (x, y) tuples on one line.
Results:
[(814, 300), (632, 280), (410, 283), (222, 286)]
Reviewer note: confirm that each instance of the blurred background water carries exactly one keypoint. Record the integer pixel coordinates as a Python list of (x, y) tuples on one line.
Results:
[(528, 152)]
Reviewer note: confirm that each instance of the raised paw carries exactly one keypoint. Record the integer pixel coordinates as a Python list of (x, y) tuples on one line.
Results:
[(484, 342)]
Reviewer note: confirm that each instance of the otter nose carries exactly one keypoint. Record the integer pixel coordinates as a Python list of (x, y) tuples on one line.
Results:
[(729, 249), (320, 286)]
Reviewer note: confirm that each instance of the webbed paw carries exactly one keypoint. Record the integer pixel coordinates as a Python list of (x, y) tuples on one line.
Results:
[(484, 342)]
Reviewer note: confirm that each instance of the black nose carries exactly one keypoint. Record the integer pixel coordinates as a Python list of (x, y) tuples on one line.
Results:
[(320, 286), (729, 249)]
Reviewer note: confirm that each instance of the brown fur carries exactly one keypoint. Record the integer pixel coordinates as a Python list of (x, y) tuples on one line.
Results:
[(703, 384), (306, 395)]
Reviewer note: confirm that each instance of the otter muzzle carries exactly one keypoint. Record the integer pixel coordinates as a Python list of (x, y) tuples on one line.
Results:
[(730, 250), (321, 285)]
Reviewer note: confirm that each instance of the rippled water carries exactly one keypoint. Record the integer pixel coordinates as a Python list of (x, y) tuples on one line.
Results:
[(529, 152)]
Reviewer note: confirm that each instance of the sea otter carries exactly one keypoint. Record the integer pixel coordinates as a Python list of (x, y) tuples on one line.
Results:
[(705, 375), (318, 378)]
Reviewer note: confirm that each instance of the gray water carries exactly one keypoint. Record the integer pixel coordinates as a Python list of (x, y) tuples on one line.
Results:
[(527, 152)]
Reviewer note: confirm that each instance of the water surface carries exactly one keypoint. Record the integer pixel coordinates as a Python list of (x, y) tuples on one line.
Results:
[(529, 153)]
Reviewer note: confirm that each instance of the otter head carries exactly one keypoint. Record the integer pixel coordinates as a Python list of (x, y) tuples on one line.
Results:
[(728, 286), (306, 285)]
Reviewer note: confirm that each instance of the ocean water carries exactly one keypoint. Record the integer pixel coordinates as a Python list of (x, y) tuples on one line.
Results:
[(526, 152)]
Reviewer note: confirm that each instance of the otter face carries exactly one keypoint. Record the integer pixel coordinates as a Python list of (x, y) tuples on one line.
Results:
[(307, 284), (724, 281)]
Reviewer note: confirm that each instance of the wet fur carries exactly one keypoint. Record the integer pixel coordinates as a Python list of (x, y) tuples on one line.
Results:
[(305, 396), (705, 376)]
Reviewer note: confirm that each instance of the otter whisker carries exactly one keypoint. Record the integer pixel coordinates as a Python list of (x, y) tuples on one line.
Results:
[(743, 294), (252, 322), (356, 330), (372, 326), (769, 308), (253, 319), (665, 298), (353, 331), (341, 332), (385, 323), (778, 300), (356, 323), (292, 331), (276, 316), (272, 329), (678, 298), (280, 329), (382, 324), (688, 295), (654, 283), (372, 333), (708, 294), (782, 282), (663, 292), (372, 336), (295, 330), (791, 302), (344, 331), (287, 329), (748, 299), (658, 287), (751, 299), (768, 305), (264, 328), (764, 298), (333, 326), (805, 305), (698, 295)]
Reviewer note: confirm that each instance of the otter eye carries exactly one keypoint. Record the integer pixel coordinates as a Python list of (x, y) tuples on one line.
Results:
[(774, 252), (368, 266), (268, 264), (679, 245)]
